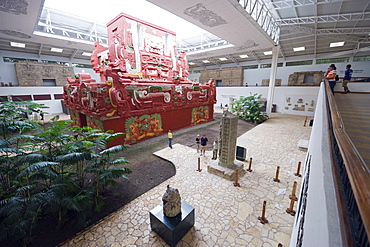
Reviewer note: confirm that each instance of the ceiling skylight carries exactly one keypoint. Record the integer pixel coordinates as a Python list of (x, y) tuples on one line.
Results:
[(56, 49), (243, 56), (205, 61), (15, 44), (302, 48), (88, 54), (267, 53), (223, 58), (336, 44)]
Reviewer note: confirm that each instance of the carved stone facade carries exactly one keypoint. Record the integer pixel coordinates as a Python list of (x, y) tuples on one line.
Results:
[(266, 82), (31, 74), (230, 77), (306, 78)]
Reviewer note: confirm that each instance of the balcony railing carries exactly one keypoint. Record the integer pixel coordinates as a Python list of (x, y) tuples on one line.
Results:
[(353, 181)]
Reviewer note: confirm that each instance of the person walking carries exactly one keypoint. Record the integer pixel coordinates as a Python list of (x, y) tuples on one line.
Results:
[(215, 149), (197, 142), (347, 78), (330, 77), (170, 136), (203, 145)]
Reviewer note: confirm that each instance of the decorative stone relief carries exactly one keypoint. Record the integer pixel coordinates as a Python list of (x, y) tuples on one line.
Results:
[(32, 74), (16, 7), (15, 34), (230, 77), (171, 202), (298, 78), (204, 15)]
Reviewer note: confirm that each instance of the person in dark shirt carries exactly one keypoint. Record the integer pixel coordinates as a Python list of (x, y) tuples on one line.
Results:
[(203, 145), (197, 142), (347, 78)]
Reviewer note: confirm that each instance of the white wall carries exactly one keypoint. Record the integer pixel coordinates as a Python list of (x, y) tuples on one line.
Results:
[(55, 106), (317, 219), (225, 94), (253, 76)]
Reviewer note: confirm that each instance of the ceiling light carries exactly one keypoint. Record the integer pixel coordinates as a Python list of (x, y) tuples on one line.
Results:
[(205, 61), (267, 53), (336, 44), (15, 44), (209, 49), (56, 49), (302, 48), (191, 63), (243, 56), (86, 54), (223, 58)]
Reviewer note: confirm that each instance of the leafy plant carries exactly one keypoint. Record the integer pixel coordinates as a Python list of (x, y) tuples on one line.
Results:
[(46, 172), (249, 108)]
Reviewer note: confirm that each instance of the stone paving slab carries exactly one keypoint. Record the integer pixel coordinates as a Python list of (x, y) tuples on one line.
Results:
[(224, 215)]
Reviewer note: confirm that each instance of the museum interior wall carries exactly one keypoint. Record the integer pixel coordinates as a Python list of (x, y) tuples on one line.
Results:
[(227, 77), (33, 74)]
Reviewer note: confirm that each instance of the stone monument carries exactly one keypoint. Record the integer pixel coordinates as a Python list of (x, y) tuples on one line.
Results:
[(171, 202), (226, 165), (172, 218)]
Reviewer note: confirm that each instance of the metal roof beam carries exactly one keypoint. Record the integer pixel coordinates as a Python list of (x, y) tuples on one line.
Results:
[(254, 55), (283, 4), (363, 16), (329, 31), (230, 57)]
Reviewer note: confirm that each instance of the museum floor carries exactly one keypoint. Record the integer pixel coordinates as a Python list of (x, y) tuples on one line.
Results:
[(224, 215)]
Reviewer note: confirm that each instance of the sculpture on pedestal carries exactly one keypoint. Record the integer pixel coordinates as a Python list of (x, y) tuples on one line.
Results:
[(171, 202), (172, 218)]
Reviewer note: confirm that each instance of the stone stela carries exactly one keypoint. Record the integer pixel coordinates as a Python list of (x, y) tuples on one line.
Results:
[(226, 165)]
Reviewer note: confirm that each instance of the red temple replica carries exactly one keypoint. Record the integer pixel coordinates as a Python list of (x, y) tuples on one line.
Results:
[(144, 90)]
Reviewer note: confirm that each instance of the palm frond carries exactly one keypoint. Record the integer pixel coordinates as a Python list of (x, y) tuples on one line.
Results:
[(35, 167), (114, 149), (120, 160), (76, 157), (33, 158)]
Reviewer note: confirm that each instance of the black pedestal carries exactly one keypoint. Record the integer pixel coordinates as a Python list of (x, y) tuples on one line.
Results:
[(241, 153), (172, 229)]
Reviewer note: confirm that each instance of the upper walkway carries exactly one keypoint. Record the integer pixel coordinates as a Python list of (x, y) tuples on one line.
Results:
[(355, 112)]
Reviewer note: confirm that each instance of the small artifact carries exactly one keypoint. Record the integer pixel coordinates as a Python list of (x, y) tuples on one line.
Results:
[(171, 202)]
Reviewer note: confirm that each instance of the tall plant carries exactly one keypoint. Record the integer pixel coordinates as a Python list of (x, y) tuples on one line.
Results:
[(44, 171), (249, 108)]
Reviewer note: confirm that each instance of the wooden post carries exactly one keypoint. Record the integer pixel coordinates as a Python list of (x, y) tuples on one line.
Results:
[(199, 170), (262, 219), (290, 209), (250, 165), (236, 184), (305, 121), (298, 168), (276, 179), (293, 196)]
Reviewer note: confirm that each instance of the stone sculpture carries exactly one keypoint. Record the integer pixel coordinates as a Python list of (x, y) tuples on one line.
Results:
[(226, 165), (171, 202)]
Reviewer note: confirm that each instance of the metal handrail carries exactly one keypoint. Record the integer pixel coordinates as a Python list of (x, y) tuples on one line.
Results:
[(357, 170)]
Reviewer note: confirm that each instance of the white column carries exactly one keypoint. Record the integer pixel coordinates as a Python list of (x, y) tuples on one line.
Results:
[(270, 95)]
